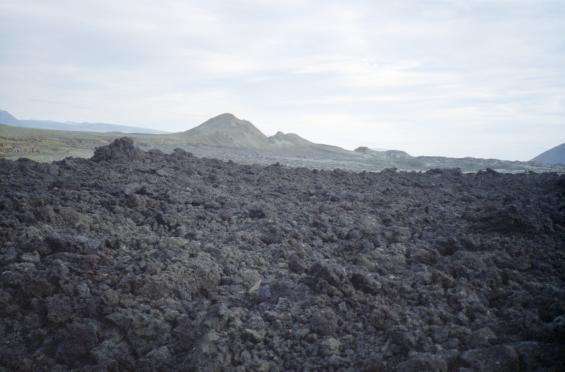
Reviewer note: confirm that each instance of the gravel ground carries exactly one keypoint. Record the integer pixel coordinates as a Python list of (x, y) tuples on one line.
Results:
[(144, 261)]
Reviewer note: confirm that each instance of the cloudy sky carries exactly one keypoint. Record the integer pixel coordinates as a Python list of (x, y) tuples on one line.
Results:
[(432, 77)]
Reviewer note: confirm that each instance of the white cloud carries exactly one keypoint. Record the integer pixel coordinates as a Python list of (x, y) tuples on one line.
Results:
[(431, 77)]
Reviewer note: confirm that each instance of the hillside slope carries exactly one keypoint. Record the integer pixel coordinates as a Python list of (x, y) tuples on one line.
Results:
[(227, 130), (555, 155)]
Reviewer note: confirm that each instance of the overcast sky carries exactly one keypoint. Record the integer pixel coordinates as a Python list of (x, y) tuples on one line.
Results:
[(454, 78)]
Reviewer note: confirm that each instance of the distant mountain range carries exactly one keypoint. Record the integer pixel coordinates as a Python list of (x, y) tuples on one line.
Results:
[(555, 155), (229, 138), (9, 119)]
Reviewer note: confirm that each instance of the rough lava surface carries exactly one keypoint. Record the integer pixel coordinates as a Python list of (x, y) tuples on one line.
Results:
[(144, 261)]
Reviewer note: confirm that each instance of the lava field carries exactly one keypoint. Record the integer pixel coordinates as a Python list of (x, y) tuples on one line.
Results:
[(148, 261)]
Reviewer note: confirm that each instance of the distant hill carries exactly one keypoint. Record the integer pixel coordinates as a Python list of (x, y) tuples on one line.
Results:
[(226, 130), (9, 119), (554, 155), (229, 138), (403, 160), (281, 139), (390, 155)]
